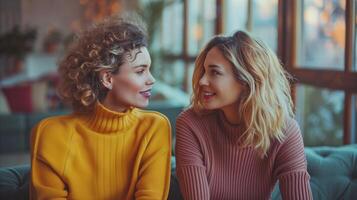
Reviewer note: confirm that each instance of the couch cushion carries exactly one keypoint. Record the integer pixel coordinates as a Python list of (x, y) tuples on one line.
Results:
[(12, 133), (333, 171), (14, 182)]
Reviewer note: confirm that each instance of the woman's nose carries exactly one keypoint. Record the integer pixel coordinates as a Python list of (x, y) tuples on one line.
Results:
[(151, 80), (203, 81)]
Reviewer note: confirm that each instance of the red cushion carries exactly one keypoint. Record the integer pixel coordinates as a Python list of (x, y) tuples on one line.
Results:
[(19, 98)]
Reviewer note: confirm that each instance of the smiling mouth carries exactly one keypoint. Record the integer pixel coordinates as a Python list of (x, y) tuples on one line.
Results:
[(208, 95), (146, 93)]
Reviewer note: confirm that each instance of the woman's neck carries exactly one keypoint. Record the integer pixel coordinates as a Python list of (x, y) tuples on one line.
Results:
[(231, 114), (110, 104)]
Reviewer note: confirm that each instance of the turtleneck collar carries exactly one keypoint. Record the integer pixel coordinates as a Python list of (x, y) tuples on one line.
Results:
[(232, 131), (103, 120)]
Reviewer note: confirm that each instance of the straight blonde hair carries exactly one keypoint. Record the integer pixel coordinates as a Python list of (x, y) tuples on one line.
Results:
[(266, 102)]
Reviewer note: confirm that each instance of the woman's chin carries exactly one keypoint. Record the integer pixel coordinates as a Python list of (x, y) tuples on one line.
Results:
[(141, 105), (208, 106)]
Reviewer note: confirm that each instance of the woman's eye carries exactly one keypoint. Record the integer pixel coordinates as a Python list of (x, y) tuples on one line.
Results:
[(140, 71), (214, 72)]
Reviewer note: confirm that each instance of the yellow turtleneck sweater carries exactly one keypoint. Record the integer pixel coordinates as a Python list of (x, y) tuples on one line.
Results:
[(103, 155)]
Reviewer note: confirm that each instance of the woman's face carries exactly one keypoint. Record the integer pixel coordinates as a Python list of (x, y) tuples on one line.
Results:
[(132, 85), (219, 89)]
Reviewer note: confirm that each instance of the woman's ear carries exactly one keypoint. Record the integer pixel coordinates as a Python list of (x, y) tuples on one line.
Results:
[(106, 79)]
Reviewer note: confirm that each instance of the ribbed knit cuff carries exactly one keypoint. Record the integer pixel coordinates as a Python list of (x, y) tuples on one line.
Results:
[(295, 186), (193, 182)]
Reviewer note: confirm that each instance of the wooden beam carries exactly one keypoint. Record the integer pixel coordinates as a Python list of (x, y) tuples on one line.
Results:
[(350, 34), (219, 17), (287, 27), (281, 31), (329, 79), (292, 32), (349, 41)]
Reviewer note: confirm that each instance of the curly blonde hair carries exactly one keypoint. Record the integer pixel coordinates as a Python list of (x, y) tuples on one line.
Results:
[(266, 102), (103, 46)]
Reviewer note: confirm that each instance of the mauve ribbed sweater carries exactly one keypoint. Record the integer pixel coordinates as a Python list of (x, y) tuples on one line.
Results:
[(210, 165)]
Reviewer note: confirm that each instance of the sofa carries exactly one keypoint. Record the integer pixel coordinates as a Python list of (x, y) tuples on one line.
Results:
[(333, 172)]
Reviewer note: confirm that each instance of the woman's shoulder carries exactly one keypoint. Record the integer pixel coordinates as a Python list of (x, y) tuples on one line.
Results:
[(51, 135), (154, 125), (56, 122), (53, 128), (291, 131), (292, 137), (151, 115), (291, 127)]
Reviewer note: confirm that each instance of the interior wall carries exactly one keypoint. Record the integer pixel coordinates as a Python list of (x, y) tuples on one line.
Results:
[(44, 14)]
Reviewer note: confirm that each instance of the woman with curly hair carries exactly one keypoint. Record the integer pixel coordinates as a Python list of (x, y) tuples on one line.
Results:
[(239, 138), (107, 148)]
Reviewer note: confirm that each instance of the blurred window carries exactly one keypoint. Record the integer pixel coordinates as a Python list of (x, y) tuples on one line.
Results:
[(320, 115), (201, 21), (172, 28), (312, 47), (256, 16), (322, 34)]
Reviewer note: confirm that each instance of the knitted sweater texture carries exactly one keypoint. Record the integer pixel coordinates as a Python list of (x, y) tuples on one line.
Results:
[(101, 155), (212, 165)]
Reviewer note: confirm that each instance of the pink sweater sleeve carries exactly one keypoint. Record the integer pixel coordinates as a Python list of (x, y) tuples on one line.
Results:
[(290, 166), (191, 171)]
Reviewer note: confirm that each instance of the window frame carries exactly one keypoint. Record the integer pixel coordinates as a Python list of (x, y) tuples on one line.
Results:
[(345, 80)]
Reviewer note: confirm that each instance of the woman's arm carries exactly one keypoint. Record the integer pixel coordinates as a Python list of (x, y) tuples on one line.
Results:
[(191, 171), (45, 180), (291, 167), (45, 183), (155, 167)]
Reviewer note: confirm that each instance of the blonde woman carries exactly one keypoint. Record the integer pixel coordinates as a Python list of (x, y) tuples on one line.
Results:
[(108, 148), (239, 136)]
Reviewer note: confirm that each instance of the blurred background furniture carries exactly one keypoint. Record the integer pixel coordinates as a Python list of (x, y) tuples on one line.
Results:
[(333, 172)]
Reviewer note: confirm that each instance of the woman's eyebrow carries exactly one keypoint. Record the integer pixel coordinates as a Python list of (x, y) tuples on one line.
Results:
[(213, 66), (143, 65)]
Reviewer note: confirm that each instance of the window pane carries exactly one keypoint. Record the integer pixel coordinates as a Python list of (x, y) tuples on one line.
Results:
[(265, 21), (322, 36), (169, 82), (172, 28), (320, 114), (235, 15), (201, 21), (171, 72)]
